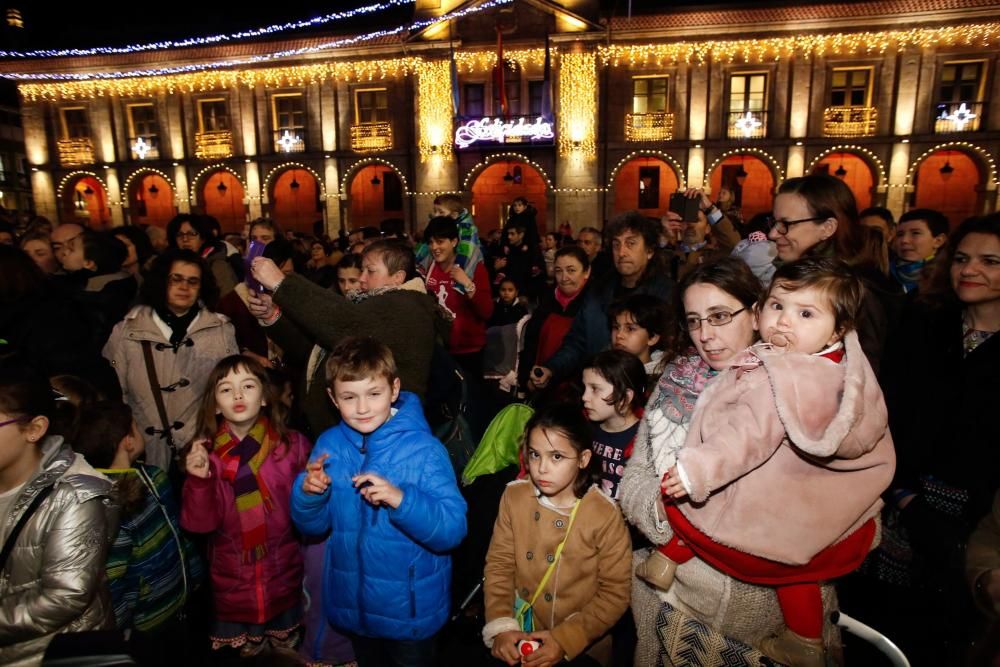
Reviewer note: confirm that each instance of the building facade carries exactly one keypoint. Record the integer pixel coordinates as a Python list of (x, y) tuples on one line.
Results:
[(587, 117)]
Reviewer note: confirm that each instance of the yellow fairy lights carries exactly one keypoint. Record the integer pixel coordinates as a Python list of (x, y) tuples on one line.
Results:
[(978, 36), (270, 77), (434, 109), (577, 104), (208, 172), (961, 146), (145, 171), (666, 157), (468, 62), (76, 176), (285, 166), (349, 173), (765, 157), (856, 150), (504, 157)]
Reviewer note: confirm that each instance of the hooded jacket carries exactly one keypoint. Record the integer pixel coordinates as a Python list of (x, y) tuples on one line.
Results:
[(788, 453), (54, 579), (387, 571)]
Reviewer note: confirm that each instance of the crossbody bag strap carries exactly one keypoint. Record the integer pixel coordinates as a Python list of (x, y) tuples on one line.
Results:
[(8, 546), (555, 559), (154, 387)]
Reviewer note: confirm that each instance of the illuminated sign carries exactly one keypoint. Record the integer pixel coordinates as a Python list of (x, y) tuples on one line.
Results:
[(496, 130)]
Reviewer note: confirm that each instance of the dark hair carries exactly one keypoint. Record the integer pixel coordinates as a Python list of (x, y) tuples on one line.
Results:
[(591, 230), (211, 226), (349, 261), (511, 281), (106, 251), (266, 222), (103, 426), (393, 227), (280, 251), (273, 409), (154, 287), (576, 252), (567, 420), (20, 277), (397, 256), (6, 227), (729, 274), (23, 391), (878, 212), (175, 223), (624, 372), (73, 395), (450, 202), (939, 292), (518, 223), (36, 235), (829, 197), (522, 200), (936, 221), (647, 311), (369, 232), (833, 277), (359, 358), (143, 246), (441, 227), (636, 222)]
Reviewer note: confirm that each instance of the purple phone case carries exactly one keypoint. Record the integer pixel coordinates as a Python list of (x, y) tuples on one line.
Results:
[(255, 250)]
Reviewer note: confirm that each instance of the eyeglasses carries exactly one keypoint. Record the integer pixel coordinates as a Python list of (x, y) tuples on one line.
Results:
[(781, 226), (187, 235), (177, 279), (693, 323), (15, 420)]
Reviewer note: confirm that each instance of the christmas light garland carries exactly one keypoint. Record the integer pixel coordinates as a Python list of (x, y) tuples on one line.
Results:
[(209, 40)]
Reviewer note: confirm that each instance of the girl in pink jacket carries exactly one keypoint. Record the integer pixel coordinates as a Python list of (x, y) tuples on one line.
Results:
[(238, 489), (787, 454)]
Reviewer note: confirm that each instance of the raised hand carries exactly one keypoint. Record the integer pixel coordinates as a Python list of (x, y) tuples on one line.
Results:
[(266, 272), (316, 481), (378, 491), (196, 461)]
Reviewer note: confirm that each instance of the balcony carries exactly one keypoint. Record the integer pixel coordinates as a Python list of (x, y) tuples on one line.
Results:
[(957, 116), (145, 147), (747, 125), (290, 140), (371, 137), (215, 145), (73, 152), (649, 126), (849, 121)]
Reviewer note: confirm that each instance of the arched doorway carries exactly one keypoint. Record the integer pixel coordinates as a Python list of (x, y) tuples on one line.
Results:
[(376, 194), (86, 203), (222, 197), (750, 180), (498, 185), (854, 171), (151, 201), (949, 181), (644, 183), (295, 201)]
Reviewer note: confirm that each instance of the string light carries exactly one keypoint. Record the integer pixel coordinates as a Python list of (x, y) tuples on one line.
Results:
[(259, 58), (577, 104), (853, 148), (754, 151), (991, 164), (349, 173), (211, 39), (658, 154), (505, 157), (434, 109), (76, 176), (467, 62), (148, 170), (979, 35), (285, 166), (210, 170)]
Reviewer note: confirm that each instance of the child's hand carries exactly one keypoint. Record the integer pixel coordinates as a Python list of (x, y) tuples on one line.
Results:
[(549, 653), (461, 277), (672, 485), (316, 481), (377, 491), (196, 461), (505, 646)]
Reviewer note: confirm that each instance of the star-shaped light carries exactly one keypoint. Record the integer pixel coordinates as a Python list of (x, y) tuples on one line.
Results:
[(747, 124), (960, 116), (141, 148), (287, 141)]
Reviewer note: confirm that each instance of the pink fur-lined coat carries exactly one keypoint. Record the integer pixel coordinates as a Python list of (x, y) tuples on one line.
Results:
[(788, 454)]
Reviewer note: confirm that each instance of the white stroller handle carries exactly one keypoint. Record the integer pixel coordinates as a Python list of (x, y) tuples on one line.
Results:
[(872, 636)]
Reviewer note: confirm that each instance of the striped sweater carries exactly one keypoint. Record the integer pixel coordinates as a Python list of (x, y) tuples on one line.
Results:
[(152, 566)]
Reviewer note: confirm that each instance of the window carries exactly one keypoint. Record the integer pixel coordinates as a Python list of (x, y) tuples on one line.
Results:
[(512, 90), (371, 105), (536, 92), (289, 112), (475, 98), (212, 116), (75, 124), (649, 95), (850, 87), (961, 82), (747, 92), (142, 120)]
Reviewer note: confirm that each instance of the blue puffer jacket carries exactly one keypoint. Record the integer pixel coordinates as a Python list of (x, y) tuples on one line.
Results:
[(387, 571)]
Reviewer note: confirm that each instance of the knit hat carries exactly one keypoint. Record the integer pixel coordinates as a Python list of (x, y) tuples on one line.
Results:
[(758, 253)]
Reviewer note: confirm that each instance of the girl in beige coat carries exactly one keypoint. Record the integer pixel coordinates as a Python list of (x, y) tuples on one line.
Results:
[(558, 571)]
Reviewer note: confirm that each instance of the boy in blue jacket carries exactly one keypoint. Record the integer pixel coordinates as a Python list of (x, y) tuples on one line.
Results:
[(384, 489)]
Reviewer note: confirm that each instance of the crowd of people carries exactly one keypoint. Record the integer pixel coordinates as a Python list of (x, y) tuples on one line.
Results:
[(702, 437)]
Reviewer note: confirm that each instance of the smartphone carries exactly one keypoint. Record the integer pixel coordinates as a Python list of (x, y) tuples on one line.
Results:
[(684, 206), (255, 250)]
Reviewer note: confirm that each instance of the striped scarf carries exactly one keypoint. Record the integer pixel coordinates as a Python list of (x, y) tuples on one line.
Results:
[(241, 464)]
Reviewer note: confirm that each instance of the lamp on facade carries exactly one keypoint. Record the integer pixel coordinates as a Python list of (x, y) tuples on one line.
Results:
[(375, 180), (841, 172), (947, 170), (153, 190), (294, 185), (89, 191), (221, 187)]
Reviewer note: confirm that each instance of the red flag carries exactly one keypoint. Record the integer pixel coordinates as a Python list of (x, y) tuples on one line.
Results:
[(498, 77)]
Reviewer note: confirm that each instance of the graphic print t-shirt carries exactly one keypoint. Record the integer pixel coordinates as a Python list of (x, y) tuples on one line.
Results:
[(612, 451)]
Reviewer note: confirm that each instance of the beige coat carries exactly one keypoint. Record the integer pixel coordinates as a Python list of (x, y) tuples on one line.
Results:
[(983, 555), (213, 339), (788, 453), (588, 591), (54, 580)]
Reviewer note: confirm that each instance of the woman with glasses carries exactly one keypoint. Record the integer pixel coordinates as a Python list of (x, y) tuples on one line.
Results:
[(164, 349), (714, 309), (193, 232), (817, 215)]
